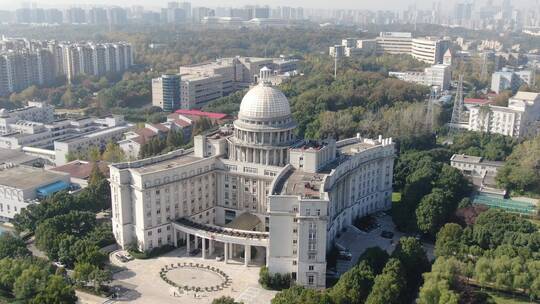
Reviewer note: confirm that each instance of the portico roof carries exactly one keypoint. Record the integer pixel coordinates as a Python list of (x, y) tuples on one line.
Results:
[(246, 221)]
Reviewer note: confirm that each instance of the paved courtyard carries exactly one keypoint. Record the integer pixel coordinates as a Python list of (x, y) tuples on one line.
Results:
[(357, 241), (140, 282)]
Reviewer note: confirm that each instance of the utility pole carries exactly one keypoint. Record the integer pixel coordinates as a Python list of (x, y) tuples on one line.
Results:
[(457, 111)]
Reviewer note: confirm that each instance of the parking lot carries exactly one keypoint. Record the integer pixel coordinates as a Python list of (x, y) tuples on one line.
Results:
[(357, 241)]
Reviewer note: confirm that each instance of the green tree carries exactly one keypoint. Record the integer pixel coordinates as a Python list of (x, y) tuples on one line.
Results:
[(414, 261), (375, 257), (448, 242), (56, 291), (521, 171), (389, 285), (301, 295), (28, 284), (353, 286), (433, 211), (12, 246), (113, 153)]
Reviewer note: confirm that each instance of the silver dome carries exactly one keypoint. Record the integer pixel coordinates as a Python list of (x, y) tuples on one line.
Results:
[(264, 102)]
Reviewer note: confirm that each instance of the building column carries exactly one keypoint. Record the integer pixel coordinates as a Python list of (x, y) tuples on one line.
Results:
[(226, 252), (267, 255), (247, 254), (210, 247), (175, 236), (188, 245), (196, 242), (203, 248)]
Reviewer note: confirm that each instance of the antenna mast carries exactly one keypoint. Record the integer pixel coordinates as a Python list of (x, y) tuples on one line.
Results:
[(458, 104)]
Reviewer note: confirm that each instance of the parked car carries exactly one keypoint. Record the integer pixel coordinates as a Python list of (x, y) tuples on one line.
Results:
[(345, 255), (387, 234), (128, 257), (219, 258)]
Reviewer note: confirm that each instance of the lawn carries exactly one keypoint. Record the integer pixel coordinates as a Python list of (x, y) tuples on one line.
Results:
[(505, 299), (396, 197)]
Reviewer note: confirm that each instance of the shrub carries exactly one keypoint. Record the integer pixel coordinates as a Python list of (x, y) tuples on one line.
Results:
[(136, 253), (276, 281)]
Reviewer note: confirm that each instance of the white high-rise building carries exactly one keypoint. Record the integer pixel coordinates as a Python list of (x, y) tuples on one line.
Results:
[(254, 185), (429, 50)]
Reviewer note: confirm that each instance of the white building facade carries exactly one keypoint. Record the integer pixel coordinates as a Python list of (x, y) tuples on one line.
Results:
[(521, 119), (254, 185)]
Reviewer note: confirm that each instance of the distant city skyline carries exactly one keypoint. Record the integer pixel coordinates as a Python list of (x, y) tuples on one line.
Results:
[(341, 4)]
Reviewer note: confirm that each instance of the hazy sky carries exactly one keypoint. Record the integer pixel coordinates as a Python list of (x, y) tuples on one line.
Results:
[(356, 4)]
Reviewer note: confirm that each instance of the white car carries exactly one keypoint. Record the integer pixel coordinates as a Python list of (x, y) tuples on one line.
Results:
[(219, 258)]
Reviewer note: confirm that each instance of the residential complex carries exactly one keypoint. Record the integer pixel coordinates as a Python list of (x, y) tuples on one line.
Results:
[(520, 119), (24, 63), (253, 184)]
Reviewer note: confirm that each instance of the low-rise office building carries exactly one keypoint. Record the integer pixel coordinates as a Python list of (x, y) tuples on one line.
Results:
[(21, 186)]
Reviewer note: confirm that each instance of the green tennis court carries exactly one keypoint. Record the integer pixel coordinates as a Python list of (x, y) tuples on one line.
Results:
[(511, 205)]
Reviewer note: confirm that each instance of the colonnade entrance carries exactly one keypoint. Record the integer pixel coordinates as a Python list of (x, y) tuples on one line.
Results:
[(225, 243)]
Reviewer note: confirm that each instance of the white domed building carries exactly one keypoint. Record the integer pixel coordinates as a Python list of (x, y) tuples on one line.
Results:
[(253, 187)]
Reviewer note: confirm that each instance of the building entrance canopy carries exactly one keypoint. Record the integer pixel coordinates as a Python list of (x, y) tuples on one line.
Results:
[(222, 234)]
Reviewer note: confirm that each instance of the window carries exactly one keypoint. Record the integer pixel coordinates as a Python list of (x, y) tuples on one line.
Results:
[(310, 279), (311, 267), (149, 233), (294, 263)]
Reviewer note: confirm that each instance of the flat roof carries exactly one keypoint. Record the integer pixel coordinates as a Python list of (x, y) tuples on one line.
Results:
[(352, 149), (305, 184), (23, 177), (167, 164), (530, 96), (81, 169), (15, 156)]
